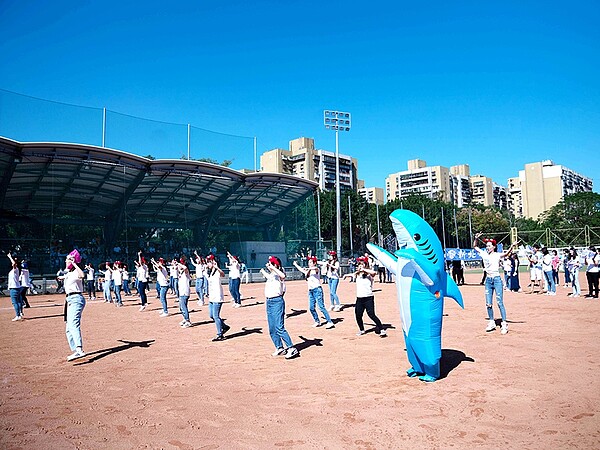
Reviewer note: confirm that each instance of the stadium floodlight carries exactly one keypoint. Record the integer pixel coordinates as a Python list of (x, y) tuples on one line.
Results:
[(337, 121)]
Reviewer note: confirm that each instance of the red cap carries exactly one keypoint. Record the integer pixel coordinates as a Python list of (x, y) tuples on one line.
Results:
[(362, 259), (312, 258), (182, 260), (210, 257), (273, 260), (161, 260), (493, 241), (333, 253)]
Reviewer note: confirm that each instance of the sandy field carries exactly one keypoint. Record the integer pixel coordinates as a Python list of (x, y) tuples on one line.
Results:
[(148, 383)]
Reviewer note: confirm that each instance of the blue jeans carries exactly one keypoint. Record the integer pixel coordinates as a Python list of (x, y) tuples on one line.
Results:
[(333, 284), (163, 298), (200, 288), (275, 319), (15, 298), (183, 301), (118, 299), (126, 287), (491, 285), (141, 287), (75, 305), (316, 296), (106, 289), (174, 287), (214, 311), (550, 279), (234, 290)]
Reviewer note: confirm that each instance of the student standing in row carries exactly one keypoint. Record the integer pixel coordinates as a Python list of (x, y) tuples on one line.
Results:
[(162, 281), (333, 279), (14, 287), (183, 287), (141, 275), (365, 300), (234, 280), (274, 290), (315, 291), (75, 300), (215, 296)]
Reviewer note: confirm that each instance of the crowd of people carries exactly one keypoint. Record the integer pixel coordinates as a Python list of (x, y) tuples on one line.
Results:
[(174, 277)]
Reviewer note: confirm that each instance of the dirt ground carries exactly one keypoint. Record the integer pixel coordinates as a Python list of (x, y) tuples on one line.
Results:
[(147, 383)]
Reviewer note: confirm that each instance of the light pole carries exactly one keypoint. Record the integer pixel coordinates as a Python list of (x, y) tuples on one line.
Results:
[(338, 121)]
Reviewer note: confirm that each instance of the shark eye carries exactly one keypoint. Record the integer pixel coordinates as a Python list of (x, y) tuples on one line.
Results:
[(417, 236)]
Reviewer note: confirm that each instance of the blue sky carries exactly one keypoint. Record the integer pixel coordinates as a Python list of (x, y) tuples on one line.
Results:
[(491, 84)]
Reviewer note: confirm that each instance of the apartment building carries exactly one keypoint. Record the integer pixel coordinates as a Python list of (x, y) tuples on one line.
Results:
[(304, 161), (372, 195), (460, 185), (541, 185), (433, 182)]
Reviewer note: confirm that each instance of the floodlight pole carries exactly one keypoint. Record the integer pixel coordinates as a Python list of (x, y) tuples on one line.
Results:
[(337, 120)]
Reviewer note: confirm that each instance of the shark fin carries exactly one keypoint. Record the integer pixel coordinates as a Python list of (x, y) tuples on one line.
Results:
[(384, 257), (452, 291)]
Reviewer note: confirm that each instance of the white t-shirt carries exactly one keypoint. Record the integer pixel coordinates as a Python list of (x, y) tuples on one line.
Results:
[(142, 273), (73, 283), (215, 289), (491, 263), (118, 277), (314, 279), (13, 279), (274, 286), (333, 270), (107, 274), (364, 286), (234, 270), (547, 263), (161, 277), (183, 284), (90, 274), (24, 278)]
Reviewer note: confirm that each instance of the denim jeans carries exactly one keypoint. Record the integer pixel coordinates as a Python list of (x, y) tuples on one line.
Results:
[(163, 298), (333, 284), (234, 290), (15, 298), (550, 281), (90, 288), (141, 286), (214, 311), (316, 296), (75, 305), (275, 319), (174, 287), (491, 285), (183, 302), (118, 299), (106, 289), (126, 287), (200, 289)]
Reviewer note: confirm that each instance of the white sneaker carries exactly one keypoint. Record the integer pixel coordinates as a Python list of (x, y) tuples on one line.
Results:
[(17, 318), (187, 324), (360, 332), (331, 308), (337, 308), (142, 308), (316, 324), (278, 352), (491, 326), (504, 328), (291, 353), (382, 333), (79, 353), (163, 314), (200, 303), (329, 325)]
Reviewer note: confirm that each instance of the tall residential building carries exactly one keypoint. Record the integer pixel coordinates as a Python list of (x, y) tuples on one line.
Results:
[(541, 185), (515, 197), (460, 186), (482, 190), (372, 195), (433, 182), (304, 161)]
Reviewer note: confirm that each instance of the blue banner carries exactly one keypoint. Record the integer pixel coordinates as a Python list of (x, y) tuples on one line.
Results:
[(464, 254)]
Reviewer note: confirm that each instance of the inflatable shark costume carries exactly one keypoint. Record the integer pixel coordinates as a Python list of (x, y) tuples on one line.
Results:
[(422, 283)]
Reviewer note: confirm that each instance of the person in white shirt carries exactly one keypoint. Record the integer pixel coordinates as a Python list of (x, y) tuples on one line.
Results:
[(493, 282), (592, 272), (89, 279), (215, 296), (107, 272), (333, 279), (162, 279), (14, 287), (274, 290), (141, 275), (365, 300), (547, 269), (75, 302), (201, 282), (25, 284), (315, 291), (117, 275), (234, 280), (173, 277), (183, 287)]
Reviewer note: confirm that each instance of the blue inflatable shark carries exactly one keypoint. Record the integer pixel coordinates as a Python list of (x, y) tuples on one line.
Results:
[(422, 283)]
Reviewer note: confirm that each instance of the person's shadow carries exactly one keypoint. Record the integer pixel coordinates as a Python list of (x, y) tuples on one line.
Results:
[(450, 360), (308, 343), (99, 354), (245, 331), (295, 312)]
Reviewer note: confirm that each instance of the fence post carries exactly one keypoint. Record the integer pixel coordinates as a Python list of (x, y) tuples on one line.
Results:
[(514, 235)]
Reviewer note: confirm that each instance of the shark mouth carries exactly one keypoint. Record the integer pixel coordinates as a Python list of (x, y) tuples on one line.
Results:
[(416, 241)]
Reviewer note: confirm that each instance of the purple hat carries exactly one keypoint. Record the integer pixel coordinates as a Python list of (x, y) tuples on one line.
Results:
[(76, 256)]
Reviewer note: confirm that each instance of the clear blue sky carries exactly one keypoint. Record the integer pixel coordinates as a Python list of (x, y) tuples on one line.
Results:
[(491, 84)]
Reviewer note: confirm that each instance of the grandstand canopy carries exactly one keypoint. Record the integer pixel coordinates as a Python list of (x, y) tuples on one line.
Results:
[(95, 185)]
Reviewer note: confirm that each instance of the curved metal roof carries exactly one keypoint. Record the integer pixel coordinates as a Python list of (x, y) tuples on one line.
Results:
[(42, 180)]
